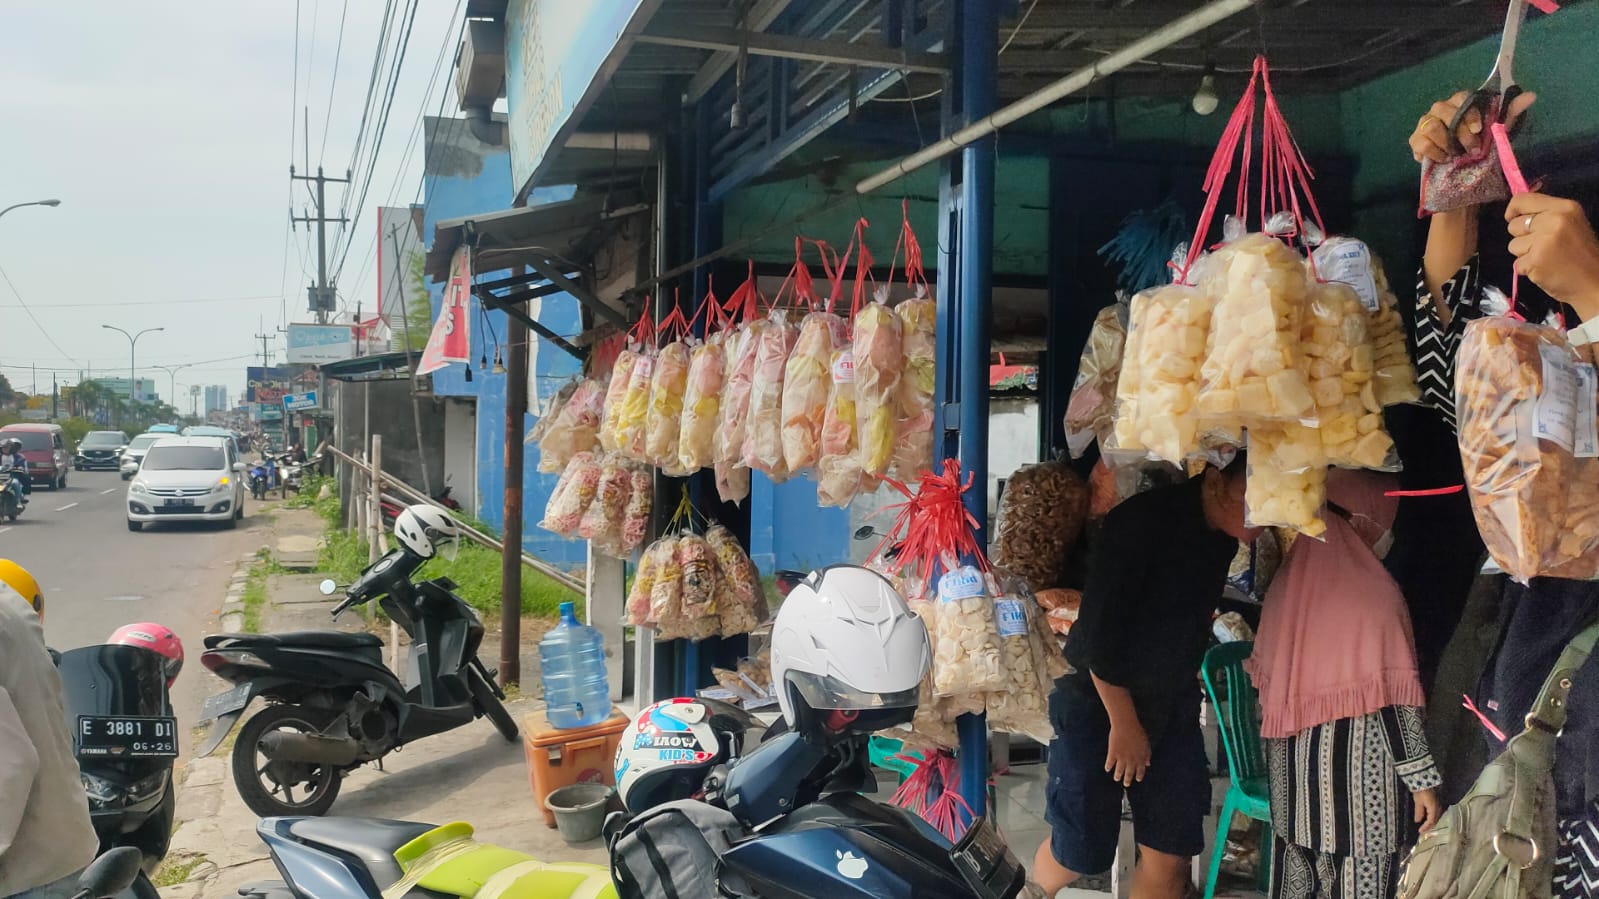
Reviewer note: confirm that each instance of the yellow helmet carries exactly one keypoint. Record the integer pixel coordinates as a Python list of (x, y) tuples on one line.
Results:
[(18, 579)]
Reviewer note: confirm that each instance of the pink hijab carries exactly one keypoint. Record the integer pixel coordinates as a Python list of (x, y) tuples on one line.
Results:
[(1335, 638)]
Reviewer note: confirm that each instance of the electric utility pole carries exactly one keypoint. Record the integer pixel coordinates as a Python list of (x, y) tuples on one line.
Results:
[(320, 295)]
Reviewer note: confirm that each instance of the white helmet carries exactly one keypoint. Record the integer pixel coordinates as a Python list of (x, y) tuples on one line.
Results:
[(427, 531), (847, 654)]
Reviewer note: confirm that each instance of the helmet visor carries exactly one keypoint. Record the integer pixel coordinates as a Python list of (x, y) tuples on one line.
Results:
[(446, 548), (827, 693)]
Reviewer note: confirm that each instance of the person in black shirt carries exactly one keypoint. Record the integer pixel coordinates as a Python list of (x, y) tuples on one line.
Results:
[(1127, 718)]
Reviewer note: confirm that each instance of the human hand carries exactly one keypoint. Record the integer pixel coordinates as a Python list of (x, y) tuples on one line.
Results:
[(1429, 808), (1128, 755), (1555, 247), (1430, 141)]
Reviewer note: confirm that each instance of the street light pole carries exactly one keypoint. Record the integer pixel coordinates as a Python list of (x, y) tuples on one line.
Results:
[(30, 203), (172, 380), (133, 343)]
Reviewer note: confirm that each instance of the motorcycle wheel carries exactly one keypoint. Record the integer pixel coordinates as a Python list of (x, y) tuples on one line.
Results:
[(491, 706), (261, 781)]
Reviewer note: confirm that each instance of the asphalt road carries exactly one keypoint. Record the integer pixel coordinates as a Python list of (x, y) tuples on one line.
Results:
[(97, 575)]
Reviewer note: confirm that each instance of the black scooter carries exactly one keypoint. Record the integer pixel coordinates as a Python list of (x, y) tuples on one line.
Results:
[(126, 740), (334, 704)]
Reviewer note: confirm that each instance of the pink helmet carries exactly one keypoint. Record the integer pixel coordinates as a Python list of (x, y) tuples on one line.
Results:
[(157, 637)]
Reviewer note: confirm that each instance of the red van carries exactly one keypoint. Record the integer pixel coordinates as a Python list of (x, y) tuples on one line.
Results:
[(45, 449)]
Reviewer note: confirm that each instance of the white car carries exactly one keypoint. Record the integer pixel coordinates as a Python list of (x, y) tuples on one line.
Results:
[(187, 479), (133, 453)]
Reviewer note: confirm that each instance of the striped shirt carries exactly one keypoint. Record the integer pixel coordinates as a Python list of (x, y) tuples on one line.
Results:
[(1437, 343), (1344, 787)]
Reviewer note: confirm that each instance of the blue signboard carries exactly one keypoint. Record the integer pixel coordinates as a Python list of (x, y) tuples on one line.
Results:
[(553, 52), (294, 402)]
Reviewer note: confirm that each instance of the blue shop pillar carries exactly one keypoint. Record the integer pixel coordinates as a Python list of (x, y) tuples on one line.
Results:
[(965, 275)]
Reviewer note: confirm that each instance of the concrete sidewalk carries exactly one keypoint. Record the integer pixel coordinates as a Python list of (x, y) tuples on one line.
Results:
[(470, 774)]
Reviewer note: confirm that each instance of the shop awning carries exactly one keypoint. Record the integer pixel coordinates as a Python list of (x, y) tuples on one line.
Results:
[(549, 244), (378, 367)]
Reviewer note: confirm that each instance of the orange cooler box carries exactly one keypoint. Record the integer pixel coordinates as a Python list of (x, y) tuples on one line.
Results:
[(558, 758)]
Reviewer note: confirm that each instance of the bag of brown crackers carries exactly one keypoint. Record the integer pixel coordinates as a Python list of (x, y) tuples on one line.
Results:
[(1528, 442)]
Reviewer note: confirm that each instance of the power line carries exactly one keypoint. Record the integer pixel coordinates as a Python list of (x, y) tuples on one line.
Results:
[(380, 129), (294, 86), (33, 318), (184, 302), (378, 55), (338, 51)]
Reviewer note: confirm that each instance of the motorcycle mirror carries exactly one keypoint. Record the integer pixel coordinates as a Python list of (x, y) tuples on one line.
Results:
[(865, 532), (328, 587), (110, 874)]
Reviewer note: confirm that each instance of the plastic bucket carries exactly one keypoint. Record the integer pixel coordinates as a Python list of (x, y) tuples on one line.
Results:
[(579, 810)]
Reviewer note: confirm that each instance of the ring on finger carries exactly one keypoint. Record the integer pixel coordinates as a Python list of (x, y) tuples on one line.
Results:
[(1526, 223)]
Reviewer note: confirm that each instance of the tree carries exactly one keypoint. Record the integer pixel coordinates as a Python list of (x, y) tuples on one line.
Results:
[(7, 395), (419, 312)]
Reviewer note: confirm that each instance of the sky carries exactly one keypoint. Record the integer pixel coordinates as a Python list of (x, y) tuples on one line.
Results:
[(165, 128)]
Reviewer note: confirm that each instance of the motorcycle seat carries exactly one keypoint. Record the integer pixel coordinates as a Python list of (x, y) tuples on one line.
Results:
[(314, 639), (371, 840)]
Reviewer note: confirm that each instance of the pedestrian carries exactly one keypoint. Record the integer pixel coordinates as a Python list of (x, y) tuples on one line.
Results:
[(1127, 719), (1340, 689), (1552, 242), (46, 837)]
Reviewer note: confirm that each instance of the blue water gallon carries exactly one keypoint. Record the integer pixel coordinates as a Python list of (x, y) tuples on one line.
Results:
[(572, 659)]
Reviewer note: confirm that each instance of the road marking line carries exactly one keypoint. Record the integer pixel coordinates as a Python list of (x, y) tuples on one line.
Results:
[(104, 492), (3, 530), (66, 507)]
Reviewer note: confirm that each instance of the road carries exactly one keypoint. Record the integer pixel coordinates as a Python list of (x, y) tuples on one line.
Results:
[(97, 575)]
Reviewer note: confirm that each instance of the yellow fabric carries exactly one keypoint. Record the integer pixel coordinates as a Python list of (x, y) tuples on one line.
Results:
[(448, 860)]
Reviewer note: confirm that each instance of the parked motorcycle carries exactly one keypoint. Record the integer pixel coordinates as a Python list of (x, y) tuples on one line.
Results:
[(334, 705), (847, 658), (390, 506), (126, 741), (12, 499)]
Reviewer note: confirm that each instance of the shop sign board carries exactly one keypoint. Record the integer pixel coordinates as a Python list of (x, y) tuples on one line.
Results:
[(266, 385), (316, 344), (451, 339), (269, 412), (295, 402), (554, 50)]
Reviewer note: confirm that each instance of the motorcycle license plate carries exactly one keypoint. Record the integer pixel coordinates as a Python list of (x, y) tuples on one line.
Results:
[(224, 703), (127, 737), (986, 863), (178, 503)]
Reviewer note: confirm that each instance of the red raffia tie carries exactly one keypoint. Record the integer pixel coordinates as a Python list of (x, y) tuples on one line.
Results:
[(674, 326), (1470, 705), (833, 268), (933, 522), (1435, 491), (643, 330), (863, 269), (741, 306)]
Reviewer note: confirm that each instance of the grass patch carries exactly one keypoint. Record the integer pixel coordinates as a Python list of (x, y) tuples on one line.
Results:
[(174, 871), (476, 572), (306, 498), (254, 597)]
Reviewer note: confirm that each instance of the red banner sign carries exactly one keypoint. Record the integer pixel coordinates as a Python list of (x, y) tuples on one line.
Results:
[(451, 340)]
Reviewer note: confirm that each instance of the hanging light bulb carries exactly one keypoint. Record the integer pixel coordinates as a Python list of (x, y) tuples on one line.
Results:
[(499, 365), (1205, 100)]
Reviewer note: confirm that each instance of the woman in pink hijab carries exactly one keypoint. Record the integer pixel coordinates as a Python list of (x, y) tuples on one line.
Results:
[(1341, 698)]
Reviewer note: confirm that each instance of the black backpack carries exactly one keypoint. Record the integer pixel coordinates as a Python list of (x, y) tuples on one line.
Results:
[(672, 851)]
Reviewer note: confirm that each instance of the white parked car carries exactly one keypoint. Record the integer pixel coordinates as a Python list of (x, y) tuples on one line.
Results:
[(187, 479)]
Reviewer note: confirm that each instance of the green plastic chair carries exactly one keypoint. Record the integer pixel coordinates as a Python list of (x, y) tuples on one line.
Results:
[(1237, 708)]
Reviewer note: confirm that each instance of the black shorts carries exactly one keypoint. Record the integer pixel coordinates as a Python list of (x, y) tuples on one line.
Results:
[(1085, 803)]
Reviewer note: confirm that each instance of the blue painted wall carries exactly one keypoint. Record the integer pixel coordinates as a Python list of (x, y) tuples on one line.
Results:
[(789, 530), (468, 178)]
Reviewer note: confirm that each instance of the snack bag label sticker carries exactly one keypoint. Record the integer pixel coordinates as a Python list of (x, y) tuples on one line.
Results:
[(1349, 262), (962, 583), (1555, 412), (1586, 437), (844, 368), (1010, 617), (644, 367)]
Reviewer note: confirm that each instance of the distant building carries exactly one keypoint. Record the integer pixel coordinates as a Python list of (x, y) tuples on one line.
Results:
[(216, 398), (144, 389)]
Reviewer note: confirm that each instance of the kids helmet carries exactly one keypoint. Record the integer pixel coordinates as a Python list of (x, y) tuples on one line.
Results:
[(156, 637), (669, 748), (847, 654), (17, 578), (427, 531)]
